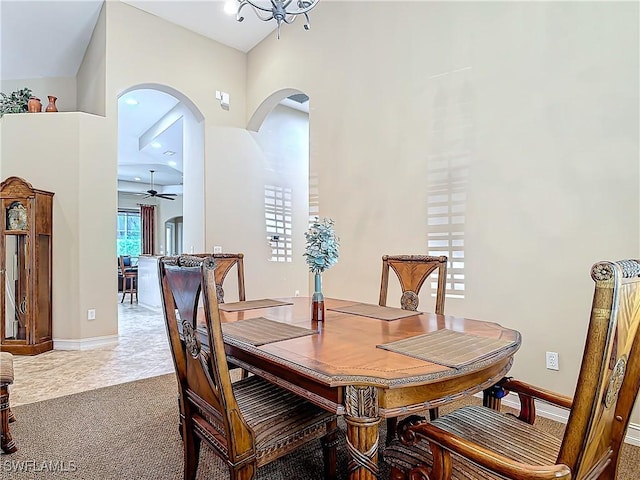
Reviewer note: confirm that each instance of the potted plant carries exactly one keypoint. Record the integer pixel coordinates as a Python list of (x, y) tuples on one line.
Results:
[(321, 253), (15, 102)]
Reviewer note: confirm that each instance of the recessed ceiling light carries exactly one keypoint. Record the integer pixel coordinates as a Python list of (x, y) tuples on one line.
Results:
[(231, 7), (131, 101), (156, 144), (172, 163), (169, 153), (137, 179)]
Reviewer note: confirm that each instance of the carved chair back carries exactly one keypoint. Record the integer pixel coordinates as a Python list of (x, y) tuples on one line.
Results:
[(412, 271), (224, 263), (610, 373), (205, 384)]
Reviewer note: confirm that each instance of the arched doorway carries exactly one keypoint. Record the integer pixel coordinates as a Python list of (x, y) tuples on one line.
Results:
[(160, 165), (280, 126)]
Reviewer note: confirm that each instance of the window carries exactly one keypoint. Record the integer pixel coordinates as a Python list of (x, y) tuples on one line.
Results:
[(277, 211), (129, 237)]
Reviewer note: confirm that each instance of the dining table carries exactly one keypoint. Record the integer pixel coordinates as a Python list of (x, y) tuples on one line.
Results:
[(365, 362)]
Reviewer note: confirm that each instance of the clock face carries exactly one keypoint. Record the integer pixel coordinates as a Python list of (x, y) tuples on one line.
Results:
[(17, 217)]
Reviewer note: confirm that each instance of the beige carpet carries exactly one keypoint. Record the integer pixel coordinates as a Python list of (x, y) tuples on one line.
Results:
[(129, 431)]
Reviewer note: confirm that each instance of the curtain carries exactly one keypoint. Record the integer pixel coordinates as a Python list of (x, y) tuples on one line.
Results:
[(147, 215)]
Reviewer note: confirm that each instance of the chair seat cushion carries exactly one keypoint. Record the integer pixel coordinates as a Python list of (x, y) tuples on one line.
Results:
[(281, 420), (499, 432), (6, 368)]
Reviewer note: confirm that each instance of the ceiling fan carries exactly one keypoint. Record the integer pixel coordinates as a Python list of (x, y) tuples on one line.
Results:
[(154, 193)]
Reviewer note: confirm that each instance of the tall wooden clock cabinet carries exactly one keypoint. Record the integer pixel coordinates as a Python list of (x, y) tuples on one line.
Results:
[(26, 229)]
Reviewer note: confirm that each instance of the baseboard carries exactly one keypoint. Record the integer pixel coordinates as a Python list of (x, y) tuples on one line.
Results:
[(84, 343), (561, 415)]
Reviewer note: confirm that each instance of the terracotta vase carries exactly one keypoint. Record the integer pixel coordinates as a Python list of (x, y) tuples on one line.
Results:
[(52, 104), (34, 105)]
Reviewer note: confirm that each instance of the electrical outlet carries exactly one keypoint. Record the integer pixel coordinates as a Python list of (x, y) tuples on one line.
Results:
[(217, 249), (552, 361), (91, 314), (297, 294)]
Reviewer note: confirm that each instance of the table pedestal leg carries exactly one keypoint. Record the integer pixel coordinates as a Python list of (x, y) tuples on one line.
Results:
[(362, 417)]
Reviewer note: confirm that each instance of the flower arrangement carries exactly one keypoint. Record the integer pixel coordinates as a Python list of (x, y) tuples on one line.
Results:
[(15, 102), (322, 245)]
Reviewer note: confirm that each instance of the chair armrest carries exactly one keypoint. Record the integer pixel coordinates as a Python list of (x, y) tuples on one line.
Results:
[(540, 393), (443, 442), (527, 394)]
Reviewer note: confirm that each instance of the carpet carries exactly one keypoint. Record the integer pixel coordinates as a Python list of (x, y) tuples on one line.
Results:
[(129, 431)]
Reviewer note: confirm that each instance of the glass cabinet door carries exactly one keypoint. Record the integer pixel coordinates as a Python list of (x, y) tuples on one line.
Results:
[(14, 270)]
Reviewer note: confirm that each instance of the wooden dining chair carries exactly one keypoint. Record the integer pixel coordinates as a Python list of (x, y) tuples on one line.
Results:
[(480, 442), (224, 263), (248, 423), (129, 278), (412, 271)]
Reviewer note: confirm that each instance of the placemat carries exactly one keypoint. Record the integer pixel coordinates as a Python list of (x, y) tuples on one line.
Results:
[(260, 331), (251, 304), (447, 347), (375, 311)]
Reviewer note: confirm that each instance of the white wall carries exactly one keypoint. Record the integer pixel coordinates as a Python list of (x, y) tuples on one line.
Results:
[(539, 99)]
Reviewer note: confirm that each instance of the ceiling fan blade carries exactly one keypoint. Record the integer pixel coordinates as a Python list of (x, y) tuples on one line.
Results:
[(166, 197), (146, 196)]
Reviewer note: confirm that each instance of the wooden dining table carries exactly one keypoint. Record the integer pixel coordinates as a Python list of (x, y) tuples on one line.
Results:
[(346, 364)]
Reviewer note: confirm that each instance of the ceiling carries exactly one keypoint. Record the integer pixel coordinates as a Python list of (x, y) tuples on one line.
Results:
[(58, 34)]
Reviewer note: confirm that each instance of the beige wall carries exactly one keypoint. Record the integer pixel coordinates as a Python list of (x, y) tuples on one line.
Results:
[(64, 88), (145, 50), (93, 70), (244, 162), (540, 100), (64, 153)]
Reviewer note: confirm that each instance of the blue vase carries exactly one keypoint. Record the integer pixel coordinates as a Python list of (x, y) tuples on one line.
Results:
[(317, 301)]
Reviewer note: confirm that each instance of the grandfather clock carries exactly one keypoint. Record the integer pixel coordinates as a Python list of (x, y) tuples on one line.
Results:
[(26, 229)]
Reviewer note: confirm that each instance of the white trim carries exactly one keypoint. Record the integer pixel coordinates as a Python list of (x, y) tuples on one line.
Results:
[(84, 343), (561, 415)]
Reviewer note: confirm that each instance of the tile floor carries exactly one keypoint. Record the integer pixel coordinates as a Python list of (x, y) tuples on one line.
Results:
[(142, 351)]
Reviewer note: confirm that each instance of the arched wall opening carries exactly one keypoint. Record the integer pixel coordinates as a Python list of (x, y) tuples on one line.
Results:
[(280, 127), (161, 163)]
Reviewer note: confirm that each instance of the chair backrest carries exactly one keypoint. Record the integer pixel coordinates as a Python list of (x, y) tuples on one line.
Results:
[(124, 261), (609, 376), (205, 385), (412, 271), (224, 263)]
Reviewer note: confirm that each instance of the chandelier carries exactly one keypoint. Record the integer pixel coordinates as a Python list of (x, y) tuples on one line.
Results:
[(280, 10)]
